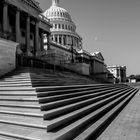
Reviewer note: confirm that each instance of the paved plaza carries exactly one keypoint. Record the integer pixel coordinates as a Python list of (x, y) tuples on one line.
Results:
[(127, 125)]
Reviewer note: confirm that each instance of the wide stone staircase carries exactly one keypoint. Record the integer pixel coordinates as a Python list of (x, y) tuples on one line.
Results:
[(38, 104)]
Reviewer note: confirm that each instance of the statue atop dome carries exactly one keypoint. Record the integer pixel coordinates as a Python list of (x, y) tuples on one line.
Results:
[(55, 2)]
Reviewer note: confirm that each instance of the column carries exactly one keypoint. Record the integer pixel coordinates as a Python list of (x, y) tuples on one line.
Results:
[(62, 40), (5, 17), (67, 39), (42, 41), (36, 36), (48, 40), (18, 26), (57, 38), (28, 34)]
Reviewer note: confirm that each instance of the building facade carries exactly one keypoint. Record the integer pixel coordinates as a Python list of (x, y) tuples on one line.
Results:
[(119, 73), (66, 45), (21, 21)]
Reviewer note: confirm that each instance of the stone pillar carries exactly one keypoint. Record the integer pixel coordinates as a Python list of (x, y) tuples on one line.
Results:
[(62, 40), (18, 26), (28, 34), (48, 40), (36, 35), (42, 41), (57, 38), (5, 17), (66, 39)]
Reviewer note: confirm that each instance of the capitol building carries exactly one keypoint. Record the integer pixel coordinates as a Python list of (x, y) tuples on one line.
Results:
[(65, 45), (49, 36), (64, 30)]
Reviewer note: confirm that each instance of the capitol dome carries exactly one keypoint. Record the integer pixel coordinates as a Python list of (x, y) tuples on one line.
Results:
[(64, 30), (57, 12)]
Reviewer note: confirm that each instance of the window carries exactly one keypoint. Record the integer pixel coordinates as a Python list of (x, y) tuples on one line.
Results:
[(59, 26), (62, 26), (55, 26), (55, 39), (60, 40)]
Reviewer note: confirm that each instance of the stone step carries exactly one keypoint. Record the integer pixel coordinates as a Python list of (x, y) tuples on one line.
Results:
[(27, 79), (93, 130), (17, 85), (17, 93), (14, 82), (21, 120), (16, 78), (50, 114), (14, 105), (20, 102), (20, 74), (33, 79), (21, 113), (18, 110), (75, 128), (71, 91), (56, 104), (71, 116), (20, 88), (19, 98), (52, 88), (10, 132), (75, 94)]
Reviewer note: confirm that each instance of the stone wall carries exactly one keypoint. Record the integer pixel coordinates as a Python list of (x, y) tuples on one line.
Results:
[(7, 56), (81, 68)]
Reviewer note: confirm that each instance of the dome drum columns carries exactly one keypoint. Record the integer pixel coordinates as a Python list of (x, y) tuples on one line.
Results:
[(64, 29)]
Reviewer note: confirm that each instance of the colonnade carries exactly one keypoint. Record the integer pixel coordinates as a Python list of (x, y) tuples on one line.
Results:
[(66, 40), (30, 20)]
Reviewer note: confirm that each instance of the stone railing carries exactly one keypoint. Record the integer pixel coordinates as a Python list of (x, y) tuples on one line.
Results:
[(7, 55)]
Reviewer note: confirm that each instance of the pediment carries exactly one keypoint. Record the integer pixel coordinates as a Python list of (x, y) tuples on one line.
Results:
[(98, 55)]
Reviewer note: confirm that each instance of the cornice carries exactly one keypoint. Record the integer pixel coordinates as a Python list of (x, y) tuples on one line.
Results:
[(33, 4)]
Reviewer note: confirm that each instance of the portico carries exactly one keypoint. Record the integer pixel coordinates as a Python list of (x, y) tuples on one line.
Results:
[(21, 21)]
